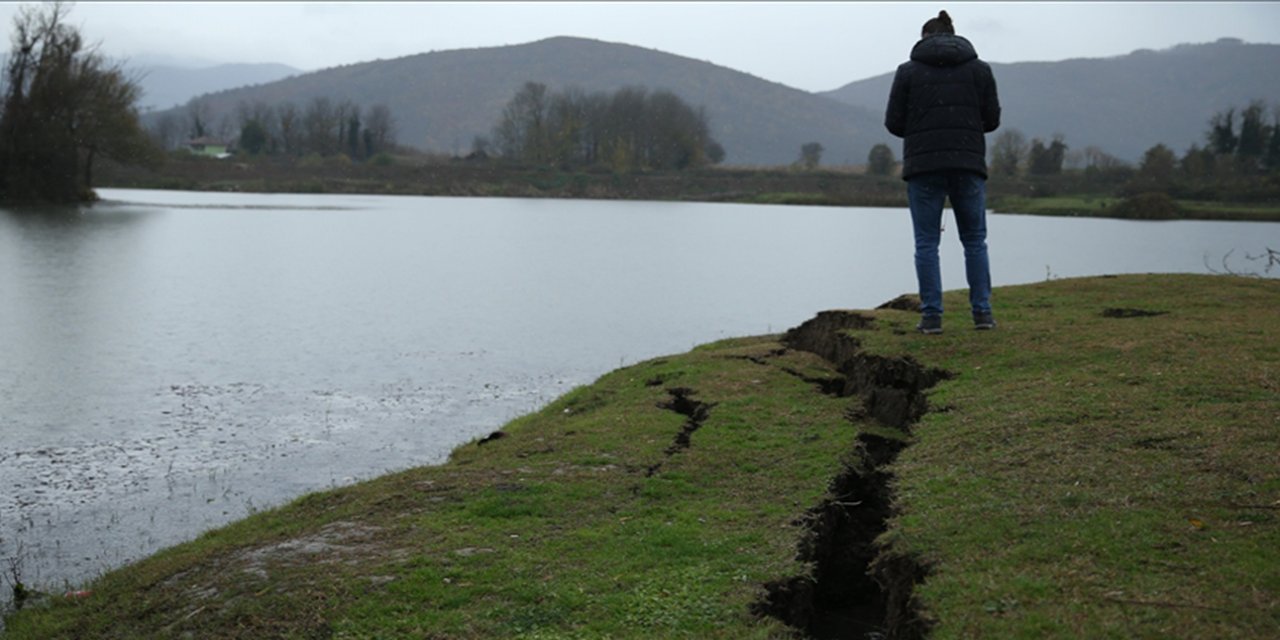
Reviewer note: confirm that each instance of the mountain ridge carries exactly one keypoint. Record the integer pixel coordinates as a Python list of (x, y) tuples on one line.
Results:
[(1112, 102), (442, 100)]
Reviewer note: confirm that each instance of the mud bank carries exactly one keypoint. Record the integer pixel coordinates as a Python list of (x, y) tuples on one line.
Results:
[(858, 586)]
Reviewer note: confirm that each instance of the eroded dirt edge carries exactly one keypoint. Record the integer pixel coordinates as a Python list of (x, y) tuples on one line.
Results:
[(856, 588)]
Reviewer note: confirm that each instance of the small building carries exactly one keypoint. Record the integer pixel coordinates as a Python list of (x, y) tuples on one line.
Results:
[(207, 146)]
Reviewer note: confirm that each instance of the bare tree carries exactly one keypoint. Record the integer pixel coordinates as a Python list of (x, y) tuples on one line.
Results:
[(199, 118), (290, 129), (380, 129), (64, 106), (522, 131), (320, 127), (1008, 152)]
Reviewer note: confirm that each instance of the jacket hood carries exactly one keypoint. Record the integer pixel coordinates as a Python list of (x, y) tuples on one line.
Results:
[(943, 50)]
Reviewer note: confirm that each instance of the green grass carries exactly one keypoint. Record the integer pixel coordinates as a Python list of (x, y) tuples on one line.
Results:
[(1104, 206), (1101, 477), (1079, 476)]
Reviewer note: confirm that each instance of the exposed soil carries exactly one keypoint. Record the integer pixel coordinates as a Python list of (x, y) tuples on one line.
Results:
[(696, 411), (1116, 312), (856, 588)]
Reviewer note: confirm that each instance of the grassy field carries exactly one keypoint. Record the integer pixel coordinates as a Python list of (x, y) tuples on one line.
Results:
[(1104, 206), (1104, 464)]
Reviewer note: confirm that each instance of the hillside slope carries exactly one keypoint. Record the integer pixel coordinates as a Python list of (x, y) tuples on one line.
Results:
[(443, 100), (1126, 104)]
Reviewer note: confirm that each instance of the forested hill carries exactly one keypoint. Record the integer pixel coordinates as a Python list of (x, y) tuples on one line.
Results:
[(1125, 104), (442, 100)]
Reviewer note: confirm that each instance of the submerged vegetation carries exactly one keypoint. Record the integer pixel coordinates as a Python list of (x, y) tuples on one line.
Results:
[(1102, 465)]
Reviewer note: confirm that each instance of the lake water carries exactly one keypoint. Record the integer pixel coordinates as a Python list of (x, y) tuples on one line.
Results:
[(172, 361)]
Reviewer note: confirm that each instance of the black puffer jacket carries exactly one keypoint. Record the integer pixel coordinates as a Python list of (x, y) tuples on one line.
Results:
[(941, 104)]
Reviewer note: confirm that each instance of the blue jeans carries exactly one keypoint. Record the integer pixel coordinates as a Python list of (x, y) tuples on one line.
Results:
[(968, 193)]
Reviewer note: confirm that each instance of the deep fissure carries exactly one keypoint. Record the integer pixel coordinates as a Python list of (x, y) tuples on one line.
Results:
[(855, 589), (695, 412)]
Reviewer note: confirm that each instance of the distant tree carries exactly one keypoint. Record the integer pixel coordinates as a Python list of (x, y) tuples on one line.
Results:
[(1045, 160), (320, 127), (623, 129), (1222, 134), (166, 131), (1098, 160), (715, 152), (522, 131), (627, 130), (880, 160), (253, 137), (1197, 163), (1156, 172), (568, 122), (64, 106), (353, 137), (1073, 160), (674, 133), (1007, 153), (291, 133), (1102, 169), (1272, 159), (1252, 145), (199, 115), (264, 133), (346, 119), (380, 127), (810, 155)]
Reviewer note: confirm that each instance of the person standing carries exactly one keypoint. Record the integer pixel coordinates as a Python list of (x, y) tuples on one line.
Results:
[(942, 103)]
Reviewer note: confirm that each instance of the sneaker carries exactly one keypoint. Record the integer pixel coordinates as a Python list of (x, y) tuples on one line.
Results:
[(983, 321), (930, 324)]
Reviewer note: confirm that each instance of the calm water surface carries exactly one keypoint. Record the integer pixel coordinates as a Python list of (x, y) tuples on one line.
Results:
[(171, 361)]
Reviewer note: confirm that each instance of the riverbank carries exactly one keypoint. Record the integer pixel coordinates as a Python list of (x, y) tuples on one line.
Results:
[(463, 178), (1102, 465)]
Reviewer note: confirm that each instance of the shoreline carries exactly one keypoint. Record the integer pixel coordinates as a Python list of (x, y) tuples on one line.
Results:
[(836, 187), (667, 496)]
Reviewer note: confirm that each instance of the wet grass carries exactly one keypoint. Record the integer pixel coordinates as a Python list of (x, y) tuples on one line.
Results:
[(1082, 474), (1098, 474), (583, 521), (1109, 206)]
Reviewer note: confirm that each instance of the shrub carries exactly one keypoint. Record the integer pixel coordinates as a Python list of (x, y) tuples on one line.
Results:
[(1149, 206)]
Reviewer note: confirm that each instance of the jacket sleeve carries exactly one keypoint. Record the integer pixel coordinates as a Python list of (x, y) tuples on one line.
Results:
[(895, 114), (990, 102)]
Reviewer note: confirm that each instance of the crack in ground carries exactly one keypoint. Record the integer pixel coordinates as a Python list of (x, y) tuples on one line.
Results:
[(855, 587), (696, 412)]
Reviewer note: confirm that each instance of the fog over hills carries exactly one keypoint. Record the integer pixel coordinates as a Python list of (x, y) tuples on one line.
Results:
[(442, 100), (165, 86)]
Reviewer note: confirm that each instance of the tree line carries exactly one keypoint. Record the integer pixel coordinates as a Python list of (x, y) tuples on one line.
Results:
[(64, 107), (1251, 149), (630, 129), (322, 127)]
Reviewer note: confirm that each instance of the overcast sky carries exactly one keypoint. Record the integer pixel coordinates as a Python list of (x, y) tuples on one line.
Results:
[(815, 46)]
